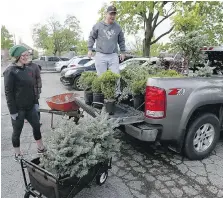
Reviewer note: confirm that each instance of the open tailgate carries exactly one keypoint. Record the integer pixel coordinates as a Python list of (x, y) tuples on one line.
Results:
[(124, 113)]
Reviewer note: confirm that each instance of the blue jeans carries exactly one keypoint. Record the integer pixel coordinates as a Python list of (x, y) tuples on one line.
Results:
[(32, 117)]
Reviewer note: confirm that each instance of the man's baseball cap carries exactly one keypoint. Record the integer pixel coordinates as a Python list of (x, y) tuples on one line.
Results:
[(111, 9)]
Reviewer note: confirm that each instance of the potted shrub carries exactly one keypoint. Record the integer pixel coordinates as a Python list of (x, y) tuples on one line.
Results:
[(108, 87), (86, 81), (98, 96), (126, 96), (138, 91)]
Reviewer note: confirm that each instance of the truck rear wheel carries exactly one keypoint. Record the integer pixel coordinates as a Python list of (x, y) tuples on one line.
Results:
[(202, 136)]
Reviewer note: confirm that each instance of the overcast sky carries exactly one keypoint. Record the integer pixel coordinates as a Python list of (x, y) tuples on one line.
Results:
[(19, 16)]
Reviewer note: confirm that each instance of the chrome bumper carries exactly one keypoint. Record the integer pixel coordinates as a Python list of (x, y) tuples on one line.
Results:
[(142, 132)]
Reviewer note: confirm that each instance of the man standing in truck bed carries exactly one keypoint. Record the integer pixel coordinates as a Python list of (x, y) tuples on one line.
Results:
[(108, 34)]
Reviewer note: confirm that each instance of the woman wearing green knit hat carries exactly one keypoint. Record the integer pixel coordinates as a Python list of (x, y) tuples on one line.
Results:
[(21, 99)]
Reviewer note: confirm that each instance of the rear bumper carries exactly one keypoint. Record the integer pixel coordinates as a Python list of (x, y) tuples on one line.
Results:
[(67, 81), (143, 131)]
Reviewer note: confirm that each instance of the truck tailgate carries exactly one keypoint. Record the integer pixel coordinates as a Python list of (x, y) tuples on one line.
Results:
[(124, 113)]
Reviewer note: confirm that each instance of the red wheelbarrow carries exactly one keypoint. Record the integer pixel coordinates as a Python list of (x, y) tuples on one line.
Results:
[(63, 104)]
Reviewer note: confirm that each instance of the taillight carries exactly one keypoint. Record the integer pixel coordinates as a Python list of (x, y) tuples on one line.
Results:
[(73, 65), (155, 102)]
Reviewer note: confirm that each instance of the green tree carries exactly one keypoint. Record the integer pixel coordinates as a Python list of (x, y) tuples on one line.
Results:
[(81, 47), (146, 15), (55, 37), (6, 38), (136, 47), (157, 48), (203, 16), (35, 54), (189, 45)]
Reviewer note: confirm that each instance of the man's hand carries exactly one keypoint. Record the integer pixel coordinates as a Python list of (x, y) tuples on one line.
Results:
[(122, 57), (90, 54)]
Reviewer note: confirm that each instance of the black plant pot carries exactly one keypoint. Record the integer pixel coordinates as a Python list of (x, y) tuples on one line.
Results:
[(110, 107), (88, 97), (98, 100), (138, 101), (128, 101)]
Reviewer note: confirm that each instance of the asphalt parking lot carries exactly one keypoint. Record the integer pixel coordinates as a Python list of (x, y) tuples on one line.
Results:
[(140, 170)]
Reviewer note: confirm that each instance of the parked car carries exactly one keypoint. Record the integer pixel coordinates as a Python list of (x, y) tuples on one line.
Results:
[(64, 59), (76, 62), (59, 66), (47, 62), (71, 77)]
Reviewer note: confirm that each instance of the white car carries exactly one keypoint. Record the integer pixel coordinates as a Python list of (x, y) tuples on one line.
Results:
[(76, 63), (59, 66), (137, 61)]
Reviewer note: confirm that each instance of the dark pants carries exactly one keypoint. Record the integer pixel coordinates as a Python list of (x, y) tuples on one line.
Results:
[(32, 117)]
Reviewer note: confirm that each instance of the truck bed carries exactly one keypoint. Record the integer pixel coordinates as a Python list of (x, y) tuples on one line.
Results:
[(124, 113)]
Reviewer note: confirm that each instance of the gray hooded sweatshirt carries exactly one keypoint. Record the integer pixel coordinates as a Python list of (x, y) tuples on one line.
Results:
[(107, 37)]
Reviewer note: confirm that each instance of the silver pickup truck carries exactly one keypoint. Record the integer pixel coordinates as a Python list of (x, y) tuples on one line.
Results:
[(185, 112), (47, 62)]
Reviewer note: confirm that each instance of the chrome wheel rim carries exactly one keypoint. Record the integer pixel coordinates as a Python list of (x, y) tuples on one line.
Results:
[(78, 83), (204, 137)]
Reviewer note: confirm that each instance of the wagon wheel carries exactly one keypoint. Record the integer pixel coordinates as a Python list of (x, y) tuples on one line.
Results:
[(102, 177)]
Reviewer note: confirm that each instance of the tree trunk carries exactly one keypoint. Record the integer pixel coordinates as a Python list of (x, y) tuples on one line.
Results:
[(148, 36), (185, 64), (147, 45)]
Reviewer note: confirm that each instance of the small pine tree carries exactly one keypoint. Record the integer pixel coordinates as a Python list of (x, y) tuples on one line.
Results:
[(74, 149)]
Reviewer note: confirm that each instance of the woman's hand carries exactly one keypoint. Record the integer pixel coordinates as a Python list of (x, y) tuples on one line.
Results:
[(14, 116), (36, 106)]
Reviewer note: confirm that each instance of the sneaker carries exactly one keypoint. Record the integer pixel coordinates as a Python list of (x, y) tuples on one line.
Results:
[(41, 151), (18, 157)]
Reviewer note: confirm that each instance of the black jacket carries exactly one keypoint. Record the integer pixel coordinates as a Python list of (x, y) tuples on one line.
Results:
[(19, 88)]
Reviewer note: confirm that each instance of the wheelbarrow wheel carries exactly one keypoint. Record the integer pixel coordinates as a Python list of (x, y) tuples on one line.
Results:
[(102, 177)]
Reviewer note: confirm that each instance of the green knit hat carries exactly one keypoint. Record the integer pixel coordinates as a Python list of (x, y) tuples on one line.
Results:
[(17, 50)]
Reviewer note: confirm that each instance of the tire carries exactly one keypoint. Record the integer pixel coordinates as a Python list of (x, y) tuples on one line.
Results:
[(76, 86), (27, 195), (202, 137), (101, 178), (64, 67)]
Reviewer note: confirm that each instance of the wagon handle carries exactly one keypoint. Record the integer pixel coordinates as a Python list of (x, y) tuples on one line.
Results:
[(23, 172)]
